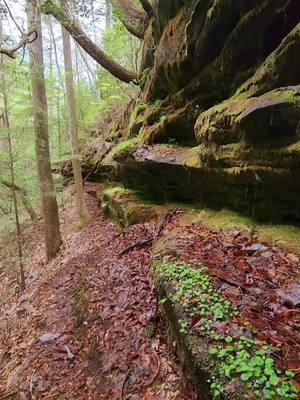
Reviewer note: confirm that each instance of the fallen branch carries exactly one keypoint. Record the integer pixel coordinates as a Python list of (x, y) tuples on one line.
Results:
[(150, 240), (226, 280), (95, 169), (6, 396), (128, 373), (140, 243), (150, 382)]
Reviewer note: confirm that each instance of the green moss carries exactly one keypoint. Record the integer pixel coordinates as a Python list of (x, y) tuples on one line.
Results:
[(162, 119), (234, 170), (140, 107), (288, 150), (122, 147), (135, 213), (192, 159), (110, 192), (144, 76), (122, 206), (285, 236)]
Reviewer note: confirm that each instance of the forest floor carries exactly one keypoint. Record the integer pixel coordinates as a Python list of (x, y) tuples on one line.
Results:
[(86, 326)]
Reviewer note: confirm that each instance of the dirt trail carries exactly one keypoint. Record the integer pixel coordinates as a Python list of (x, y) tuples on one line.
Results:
[(86, 326)]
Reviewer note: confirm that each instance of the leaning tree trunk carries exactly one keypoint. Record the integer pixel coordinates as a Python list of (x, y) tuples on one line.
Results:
[(63, 15), (82, 210), (40, 113)]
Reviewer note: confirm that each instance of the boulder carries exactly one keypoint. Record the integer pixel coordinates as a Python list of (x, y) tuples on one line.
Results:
[(270, 119)]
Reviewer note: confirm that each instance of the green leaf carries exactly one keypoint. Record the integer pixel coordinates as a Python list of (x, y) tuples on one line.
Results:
[(246, 376)]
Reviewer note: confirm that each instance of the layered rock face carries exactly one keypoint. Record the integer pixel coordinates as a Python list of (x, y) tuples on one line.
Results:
[(224, 76), (200, 53)]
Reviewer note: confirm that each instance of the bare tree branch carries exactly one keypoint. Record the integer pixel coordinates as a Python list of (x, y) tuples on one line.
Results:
[(62, 15), (30, 37), (26, 38), (13, 18), (132, 18)]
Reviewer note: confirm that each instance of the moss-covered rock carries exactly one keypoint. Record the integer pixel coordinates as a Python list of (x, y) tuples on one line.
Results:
[(122, 206), (226, 177), (281, 68), (222, 75), (272, 119)]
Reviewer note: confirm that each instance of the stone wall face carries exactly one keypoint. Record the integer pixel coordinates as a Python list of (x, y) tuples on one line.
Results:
[(223, 77)]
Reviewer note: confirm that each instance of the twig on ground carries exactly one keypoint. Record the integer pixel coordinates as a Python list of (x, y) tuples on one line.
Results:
[(150, 382), (128, 373), (140, 243), (51, 395), (7, 395), (150, 240), (226, 280)]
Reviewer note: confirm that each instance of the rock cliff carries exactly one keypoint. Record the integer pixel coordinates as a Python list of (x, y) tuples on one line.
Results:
[(221, 77)]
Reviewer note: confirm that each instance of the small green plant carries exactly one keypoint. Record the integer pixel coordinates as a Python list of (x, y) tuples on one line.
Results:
[(195, 292), (183, 326), (149, 330), (238, 360), (172, 142), (250, 361), (143, 77), (158, 103), (123, 147), (141, 107)]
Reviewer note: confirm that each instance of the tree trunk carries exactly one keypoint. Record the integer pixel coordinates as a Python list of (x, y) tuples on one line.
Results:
[(72, 26), (59, 89), (89, 71), (95, 74), (39, 99), (107, 14), (82, 210)]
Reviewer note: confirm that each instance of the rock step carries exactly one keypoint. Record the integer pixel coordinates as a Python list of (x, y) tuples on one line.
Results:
[(265, 189)]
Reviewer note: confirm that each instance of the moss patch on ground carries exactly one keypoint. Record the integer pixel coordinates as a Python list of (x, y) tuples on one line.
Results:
[(285, 236)]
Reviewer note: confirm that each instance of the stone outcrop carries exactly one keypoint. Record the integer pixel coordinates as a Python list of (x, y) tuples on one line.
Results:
[(268, 120), (221, 77), (124, 208), (206, 51), (260, 184)]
